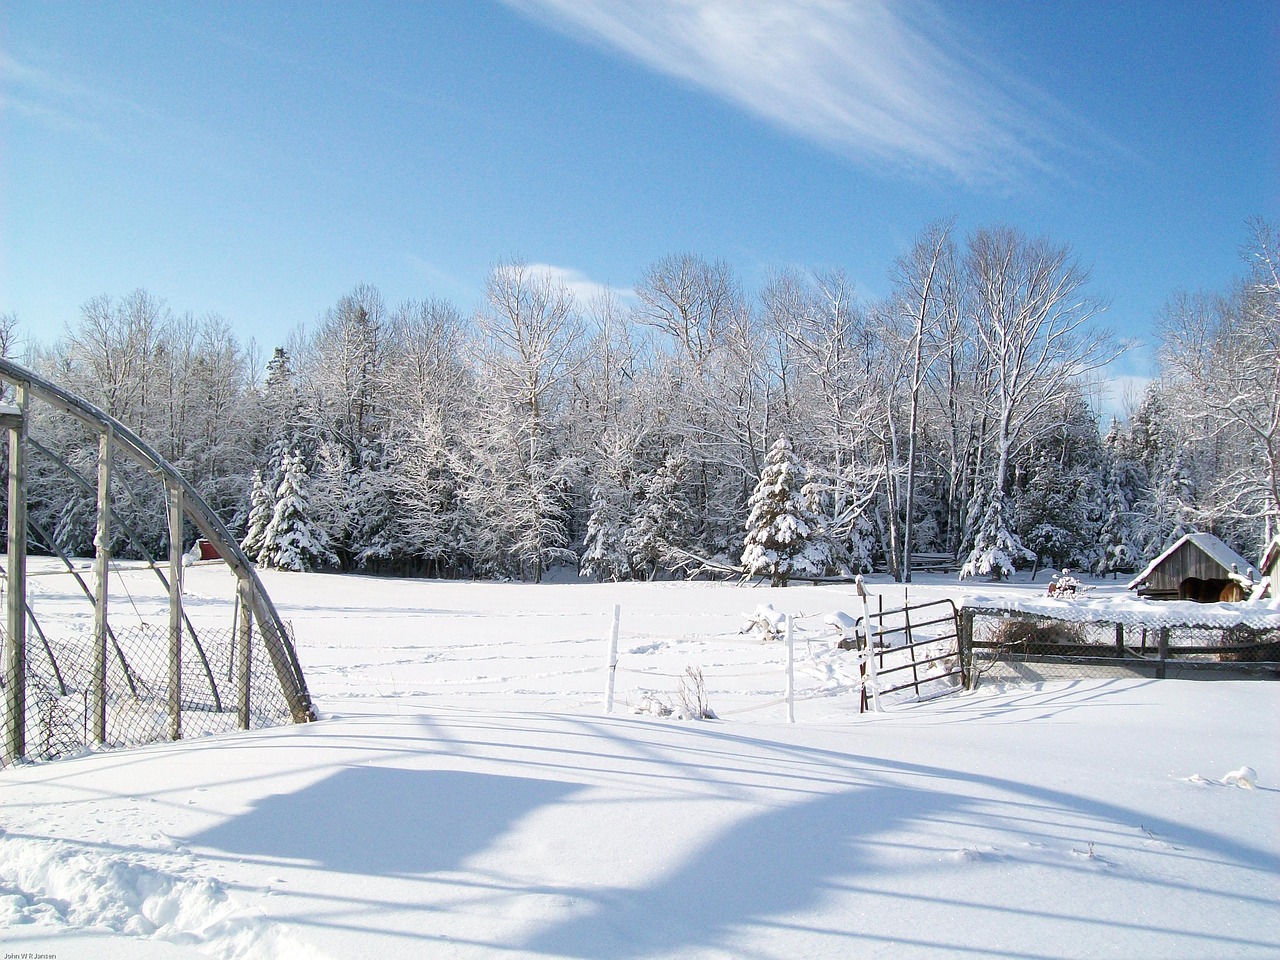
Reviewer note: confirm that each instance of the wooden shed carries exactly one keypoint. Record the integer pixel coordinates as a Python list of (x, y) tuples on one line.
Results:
[(1198, 567), (1270, 571)]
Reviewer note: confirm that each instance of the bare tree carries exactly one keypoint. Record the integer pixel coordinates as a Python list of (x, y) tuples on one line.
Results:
[(691, 300), (532, 328), (1222, 353), (1033, 321), (922, 311), (8, 334)]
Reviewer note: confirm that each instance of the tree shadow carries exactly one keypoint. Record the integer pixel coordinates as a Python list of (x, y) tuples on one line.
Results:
[(386, 821), (766, 866)]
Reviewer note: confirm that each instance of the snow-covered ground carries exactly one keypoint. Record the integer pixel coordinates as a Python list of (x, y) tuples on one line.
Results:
[(465, 795)]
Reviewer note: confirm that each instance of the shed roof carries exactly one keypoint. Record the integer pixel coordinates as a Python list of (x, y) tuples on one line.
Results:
[(1272, 553), (1212, 547)]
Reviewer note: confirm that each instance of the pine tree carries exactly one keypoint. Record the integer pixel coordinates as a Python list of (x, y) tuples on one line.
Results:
[(1050, 514), (379, 534), (292, 541), (664, 522), (821, 555), (995, 546), (779, 526), (261, 508), (1124, 485), (605, 556)]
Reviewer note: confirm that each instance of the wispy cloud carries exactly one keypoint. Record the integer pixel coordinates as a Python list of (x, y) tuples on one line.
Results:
[(59, 102), (884, 81), (583, 288)]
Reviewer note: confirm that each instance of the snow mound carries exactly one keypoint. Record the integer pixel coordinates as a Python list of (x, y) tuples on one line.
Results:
[(1246, 777), (52, 883), (767, 619)]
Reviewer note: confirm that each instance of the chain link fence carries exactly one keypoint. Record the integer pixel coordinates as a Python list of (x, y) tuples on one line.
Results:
[(225, 681), (1009, 645)]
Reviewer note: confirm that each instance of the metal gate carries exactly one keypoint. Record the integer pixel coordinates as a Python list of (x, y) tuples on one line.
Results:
[(917, 647)]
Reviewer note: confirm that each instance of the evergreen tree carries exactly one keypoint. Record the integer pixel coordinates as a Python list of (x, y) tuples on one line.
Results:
[(292, 541), (379, 532), (995, 547), (1050, 517), (1123, 487), (821, 555), (779, 526), (862, 545), (261, 508), (664, 522), (606, 554)]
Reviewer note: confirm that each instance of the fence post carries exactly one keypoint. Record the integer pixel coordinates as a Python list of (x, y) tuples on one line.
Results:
[(175, 612), (101, 560), (1120, 640), (245, 626), (911, 647), (15, 661), (791, 672), (870, 652), (1162, 649), (966, 648), (613, 658)]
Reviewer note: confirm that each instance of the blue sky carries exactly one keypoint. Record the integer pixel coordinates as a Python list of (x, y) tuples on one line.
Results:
[(258, 160)]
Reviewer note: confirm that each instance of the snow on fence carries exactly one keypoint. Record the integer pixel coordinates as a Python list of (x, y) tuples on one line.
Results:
[(1052, 640)]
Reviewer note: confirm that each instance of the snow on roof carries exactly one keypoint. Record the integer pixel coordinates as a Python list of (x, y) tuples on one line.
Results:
[(1271, 553), (1237, 567)]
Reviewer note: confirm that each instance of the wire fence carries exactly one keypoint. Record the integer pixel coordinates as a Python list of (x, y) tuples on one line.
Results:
[(225, 681), (915, 656), (1001, 645)]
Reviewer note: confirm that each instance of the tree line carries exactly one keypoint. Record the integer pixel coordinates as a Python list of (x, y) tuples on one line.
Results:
[(627, 437)]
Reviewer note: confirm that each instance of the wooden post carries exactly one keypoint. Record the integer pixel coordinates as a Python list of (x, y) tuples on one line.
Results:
[(966, 648), (915, 673), (15, 660), (1120, 640), (1162, 648), (175, 612), (102, 558), (870, 654), (245, 590)]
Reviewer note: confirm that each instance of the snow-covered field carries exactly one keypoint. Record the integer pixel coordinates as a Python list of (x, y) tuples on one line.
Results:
[(465, 795)]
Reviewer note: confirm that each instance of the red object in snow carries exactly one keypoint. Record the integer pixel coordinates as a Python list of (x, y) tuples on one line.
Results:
[(208, 551)]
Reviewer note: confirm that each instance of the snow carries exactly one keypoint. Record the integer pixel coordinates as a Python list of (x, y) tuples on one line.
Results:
[(464, 795), (1118, 608)]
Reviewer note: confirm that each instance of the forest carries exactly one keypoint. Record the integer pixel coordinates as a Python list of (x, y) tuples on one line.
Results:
[(628, 436)]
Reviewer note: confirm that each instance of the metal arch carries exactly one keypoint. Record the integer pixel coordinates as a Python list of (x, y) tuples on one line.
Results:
[(276, 638)]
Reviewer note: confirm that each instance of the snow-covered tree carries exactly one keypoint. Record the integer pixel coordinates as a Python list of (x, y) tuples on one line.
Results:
[(261, 508), (1123, 486), (605, 556), (663, 523), (996, 548), (292, 540), (1051, 515), (779, 526)]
